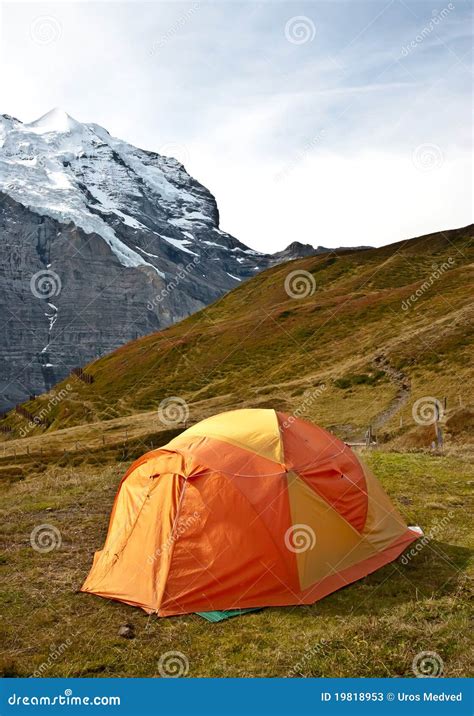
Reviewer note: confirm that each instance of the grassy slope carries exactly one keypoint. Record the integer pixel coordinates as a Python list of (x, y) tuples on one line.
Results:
[(256, 346), (374, 627), (259, 347)]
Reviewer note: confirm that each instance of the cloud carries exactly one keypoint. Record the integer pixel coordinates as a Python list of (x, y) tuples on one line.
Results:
[(311, 142)]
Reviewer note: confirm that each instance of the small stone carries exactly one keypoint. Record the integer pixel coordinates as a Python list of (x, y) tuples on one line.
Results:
[(127, 631)]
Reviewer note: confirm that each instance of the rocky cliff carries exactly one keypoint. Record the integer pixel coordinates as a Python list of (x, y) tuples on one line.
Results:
[(101, 242)]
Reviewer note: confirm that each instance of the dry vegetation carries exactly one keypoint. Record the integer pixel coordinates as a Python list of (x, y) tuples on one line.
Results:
[(257, 346), (345, 357), (375, 627)]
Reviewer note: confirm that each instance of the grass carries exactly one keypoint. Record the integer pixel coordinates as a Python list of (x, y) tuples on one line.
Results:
[(257, 336), (346, 357), (374, 627)]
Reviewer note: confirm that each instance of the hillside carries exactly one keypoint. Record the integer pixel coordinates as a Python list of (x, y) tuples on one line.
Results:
[(356, 351), (346, 356)]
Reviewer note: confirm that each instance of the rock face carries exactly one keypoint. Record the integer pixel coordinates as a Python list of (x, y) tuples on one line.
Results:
[(295, 250), (101, 242)]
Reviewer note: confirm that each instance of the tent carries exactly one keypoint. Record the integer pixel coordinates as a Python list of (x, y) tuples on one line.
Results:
[(248, 508)]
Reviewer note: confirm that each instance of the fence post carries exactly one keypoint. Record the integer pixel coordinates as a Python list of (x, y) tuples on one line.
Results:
[(438, 431), (368, 436)]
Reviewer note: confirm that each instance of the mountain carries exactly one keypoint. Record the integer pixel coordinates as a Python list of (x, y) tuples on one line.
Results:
[(295, 250), (101, 242), (360, 338)]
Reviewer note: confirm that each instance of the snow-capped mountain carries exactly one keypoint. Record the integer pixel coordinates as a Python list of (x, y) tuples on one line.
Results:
[(137, 201), (101, 242)]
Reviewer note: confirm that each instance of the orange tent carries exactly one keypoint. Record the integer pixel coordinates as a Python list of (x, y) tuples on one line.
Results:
[(248, 508)]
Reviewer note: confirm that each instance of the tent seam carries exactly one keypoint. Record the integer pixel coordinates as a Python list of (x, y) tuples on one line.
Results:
[(173, 542), (253, 508)]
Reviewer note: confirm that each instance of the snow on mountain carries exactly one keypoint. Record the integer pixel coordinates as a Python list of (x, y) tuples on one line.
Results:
[(78, 173), (131, 240), (57, 120)]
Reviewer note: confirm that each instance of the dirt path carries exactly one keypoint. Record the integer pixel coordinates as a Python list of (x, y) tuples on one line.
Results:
[(401, 380)]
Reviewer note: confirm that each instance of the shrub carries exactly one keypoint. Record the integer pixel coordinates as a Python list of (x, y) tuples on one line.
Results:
[(359, 379)]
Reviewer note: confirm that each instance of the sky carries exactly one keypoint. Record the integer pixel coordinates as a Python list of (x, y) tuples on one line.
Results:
[(330, 123)]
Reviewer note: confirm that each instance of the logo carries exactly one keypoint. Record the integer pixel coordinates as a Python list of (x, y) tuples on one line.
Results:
[(45, 284), (300, 29), (173, 411), (300, 538), (45, 538), (173, 665), (300, 284)]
